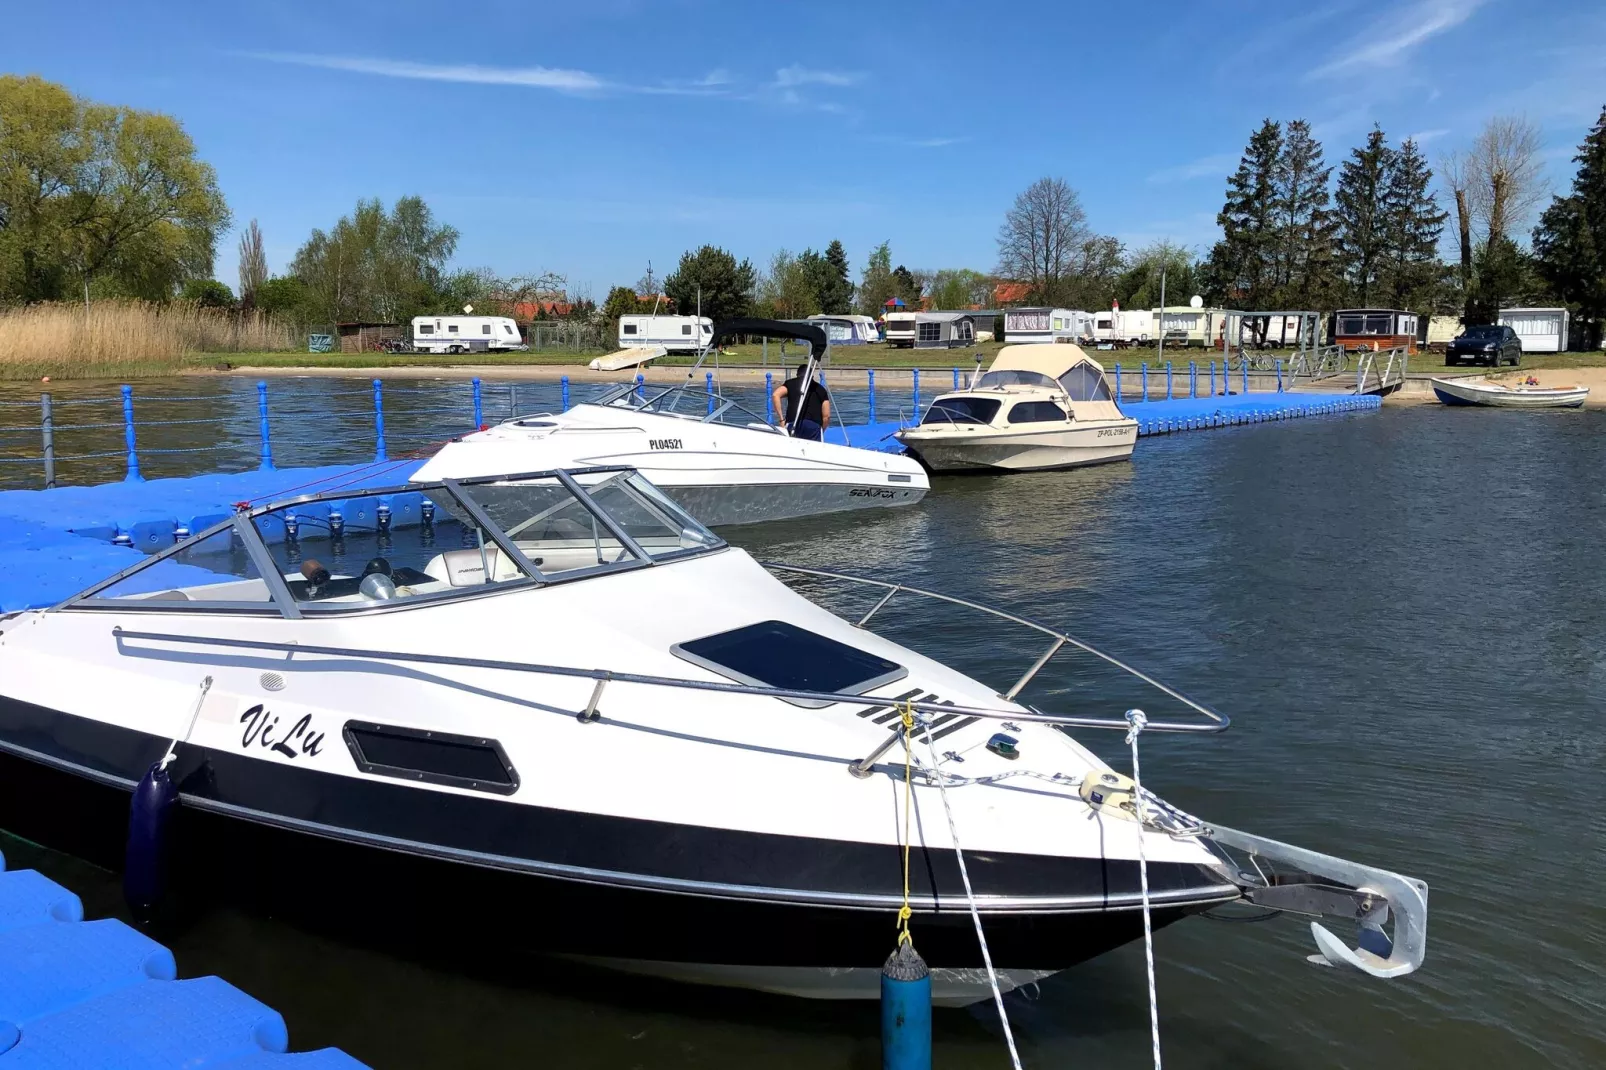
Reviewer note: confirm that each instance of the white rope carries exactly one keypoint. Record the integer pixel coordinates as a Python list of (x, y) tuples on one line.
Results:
[(975, 915), (1138, 721)]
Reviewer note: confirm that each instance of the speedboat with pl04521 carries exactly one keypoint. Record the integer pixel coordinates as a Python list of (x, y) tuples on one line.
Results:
[(553, 713), (725, 464)]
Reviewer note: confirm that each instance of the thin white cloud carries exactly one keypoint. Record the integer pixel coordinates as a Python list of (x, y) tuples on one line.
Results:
[(1390, 39), (796, 75), (716, 77), (555, 78), (1424, 136), (1216, 166)]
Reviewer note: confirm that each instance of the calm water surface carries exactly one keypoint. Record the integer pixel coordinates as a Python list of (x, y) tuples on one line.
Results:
[(1404, 613)]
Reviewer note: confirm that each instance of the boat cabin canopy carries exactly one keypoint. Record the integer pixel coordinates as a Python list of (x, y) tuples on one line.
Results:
[(1052, 365), (1043, 376), (408, 546)]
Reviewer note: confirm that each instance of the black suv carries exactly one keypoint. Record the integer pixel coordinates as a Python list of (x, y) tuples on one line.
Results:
[(1487, 344)]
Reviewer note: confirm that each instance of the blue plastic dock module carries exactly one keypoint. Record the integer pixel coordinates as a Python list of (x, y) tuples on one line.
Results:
[(97, 995)]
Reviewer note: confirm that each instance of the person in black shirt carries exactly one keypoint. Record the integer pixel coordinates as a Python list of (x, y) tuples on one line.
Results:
[(816, 414)]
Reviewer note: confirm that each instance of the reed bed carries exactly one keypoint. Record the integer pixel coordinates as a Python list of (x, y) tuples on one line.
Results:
[(116, 338)]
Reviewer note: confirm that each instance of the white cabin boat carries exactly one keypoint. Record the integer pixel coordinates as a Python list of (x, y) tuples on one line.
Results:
[(1038, 406)]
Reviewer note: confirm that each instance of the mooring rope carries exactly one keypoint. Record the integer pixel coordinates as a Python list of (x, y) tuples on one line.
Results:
[(904, 912), (1139, 721), (970, 897)]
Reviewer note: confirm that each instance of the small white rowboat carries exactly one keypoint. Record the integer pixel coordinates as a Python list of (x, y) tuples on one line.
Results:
[(1473, 391)]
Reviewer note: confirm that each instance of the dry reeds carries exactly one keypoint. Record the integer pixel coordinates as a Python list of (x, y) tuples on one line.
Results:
[(111, 338)]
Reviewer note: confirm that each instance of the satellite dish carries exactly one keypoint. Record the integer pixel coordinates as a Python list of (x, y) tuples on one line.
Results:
[(1195, 301), (470, 308)]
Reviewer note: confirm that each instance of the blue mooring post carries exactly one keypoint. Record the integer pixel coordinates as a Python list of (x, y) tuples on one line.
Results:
[(905, 1011), (262, 414), (917, 395), (641, 386), (1193, 378), (708, 384), (769, 397), (1212, 378), (872, 392), (1144, 369), (1244, 367), (379, 421), (479, 404), (1168, 380), (956, 378), (565, 393), (1118, 382), (128, 436), (1279, 375)]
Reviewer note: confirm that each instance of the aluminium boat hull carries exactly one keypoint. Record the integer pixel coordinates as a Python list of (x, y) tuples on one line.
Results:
[(707, 906), (955, 448)]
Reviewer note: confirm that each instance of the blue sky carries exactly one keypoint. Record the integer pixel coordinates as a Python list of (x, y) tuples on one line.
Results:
[(589, 138)]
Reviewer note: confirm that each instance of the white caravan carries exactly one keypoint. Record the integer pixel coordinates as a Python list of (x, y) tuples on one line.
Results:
[(1025, 326), (1542, 330), (465, 334), (900, 328), (685, 334), (1123, 326), (846, 330)]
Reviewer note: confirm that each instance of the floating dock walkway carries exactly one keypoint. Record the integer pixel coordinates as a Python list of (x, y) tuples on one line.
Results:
[(54, 543), (99, 995)]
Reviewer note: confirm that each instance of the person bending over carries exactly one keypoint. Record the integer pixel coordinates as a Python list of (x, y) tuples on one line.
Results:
[(816, 415)]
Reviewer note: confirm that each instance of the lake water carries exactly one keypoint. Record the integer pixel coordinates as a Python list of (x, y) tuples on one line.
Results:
[(1405, 614)]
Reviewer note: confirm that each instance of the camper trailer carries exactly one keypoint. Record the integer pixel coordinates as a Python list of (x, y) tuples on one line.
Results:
[(1123, 326), (465, 334), (1027, 325), (1375, 328), (900, 328), (1185, 326), (674, 333), (944, 330), (1541, 330), (845, 330)]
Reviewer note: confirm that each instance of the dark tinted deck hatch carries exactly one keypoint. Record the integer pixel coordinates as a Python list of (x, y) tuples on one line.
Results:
[(774, 653), (432, 757)]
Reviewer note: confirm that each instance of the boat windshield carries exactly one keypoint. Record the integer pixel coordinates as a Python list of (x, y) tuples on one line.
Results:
[(684, 402), (409, 545), (961, 409)]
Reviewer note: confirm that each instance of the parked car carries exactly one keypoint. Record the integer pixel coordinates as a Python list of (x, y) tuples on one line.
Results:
[(1486, 344)]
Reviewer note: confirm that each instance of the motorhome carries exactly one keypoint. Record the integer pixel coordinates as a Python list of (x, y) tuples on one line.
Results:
[(1123, 326), (1542, 330), (900, 328), (465, 334), (846, 330), (685, 334), (1028, 325)]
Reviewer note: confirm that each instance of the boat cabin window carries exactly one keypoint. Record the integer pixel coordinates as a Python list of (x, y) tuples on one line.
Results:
[(1083, 382), (216, 572), (962, 410), (1029, 412), (1013, 377), (775, 653)]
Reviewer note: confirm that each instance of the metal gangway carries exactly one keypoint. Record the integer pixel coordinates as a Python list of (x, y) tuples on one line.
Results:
[(1381, 371)]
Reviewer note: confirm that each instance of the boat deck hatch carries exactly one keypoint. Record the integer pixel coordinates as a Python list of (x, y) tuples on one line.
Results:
[(432, 757), (773, 653)]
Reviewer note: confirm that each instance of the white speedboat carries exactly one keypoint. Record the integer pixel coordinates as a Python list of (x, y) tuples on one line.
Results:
[(552, 712), (1473, 390), (1038, 406), (725, 464)]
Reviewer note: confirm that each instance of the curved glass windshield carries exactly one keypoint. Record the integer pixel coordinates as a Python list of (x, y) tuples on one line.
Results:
[(1012, 377), (961, 410), (687, 403), (406, 545)]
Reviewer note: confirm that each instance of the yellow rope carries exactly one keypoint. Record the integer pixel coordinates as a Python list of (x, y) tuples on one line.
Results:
[(904, 913)]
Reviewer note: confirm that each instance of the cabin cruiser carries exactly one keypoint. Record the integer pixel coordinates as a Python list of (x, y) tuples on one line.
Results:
[(1042, 405), (725, 464), (553, 712)]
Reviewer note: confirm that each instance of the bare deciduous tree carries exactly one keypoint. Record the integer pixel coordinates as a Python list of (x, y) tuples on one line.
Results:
[(1505, 183), (1043, 237), (253, 265), (1456, 173)]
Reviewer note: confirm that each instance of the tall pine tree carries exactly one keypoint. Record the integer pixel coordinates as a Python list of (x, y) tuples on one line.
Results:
[(1304, 222), (1570, 241), (1241, 268), (1412, 223), (1362, 228)]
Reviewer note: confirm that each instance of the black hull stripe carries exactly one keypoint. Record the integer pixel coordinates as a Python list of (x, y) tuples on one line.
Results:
[(496, 833)]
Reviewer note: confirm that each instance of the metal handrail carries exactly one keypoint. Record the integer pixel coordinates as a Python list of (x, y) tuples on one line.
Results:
[(1219, 722)]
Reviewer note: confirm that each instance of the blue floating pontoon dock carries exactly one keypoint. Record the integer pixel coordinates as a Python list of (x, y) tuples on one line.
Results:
[(98, 995)]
